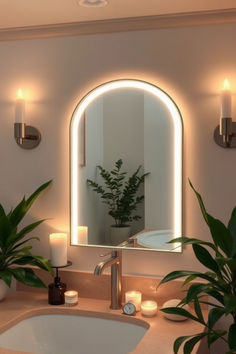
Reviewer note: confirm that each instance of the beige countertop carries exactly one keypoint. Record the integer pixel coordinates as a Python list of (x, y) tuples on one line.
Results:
[(158, 339)]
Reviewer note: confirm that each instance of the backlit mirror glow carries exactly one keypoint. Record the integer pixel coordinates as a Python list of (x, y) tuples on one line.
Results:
[(163, 124)]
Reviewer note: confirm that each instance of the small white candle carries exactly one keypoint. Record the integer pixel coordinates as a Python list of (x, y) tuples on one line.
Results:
[(226, 100), (71, 297), (135, 297), (20, 108), (83, 235), (58, 249), (149, 308)]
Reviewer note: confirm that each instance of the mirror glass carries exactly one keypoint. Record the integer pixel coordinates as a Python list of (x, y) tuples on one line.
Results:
[(126, 168)]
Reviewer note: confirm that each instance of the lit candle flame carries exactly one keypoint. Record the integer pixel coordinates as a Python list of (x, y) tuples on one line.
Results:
[(226, 85), (20, 94)]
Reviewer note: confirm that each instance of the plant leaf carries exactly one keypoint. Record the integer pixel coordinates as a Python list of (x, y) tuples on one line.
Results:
[(232, 336), (36, 261), (21, 209), (230, 303), (214, 315), (27, 277), (190, 344), (181, 312), (201, 204), (232, 228), (178, 343), (6, 276), (198, 310), (221, 235), (205, 258)]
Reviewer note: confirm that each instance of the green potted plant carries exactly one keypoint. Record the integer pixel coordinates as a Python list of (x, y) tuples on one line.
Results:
[(119, 193), (219, 284), (15, 252)]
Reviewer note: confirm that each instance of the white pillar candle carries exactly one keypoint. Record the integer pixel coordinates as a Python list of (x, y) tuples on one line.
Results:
[(135, 297), (83, 235), (149, 308), (226, 100), (20, 108), (71, 297), (58, 249)]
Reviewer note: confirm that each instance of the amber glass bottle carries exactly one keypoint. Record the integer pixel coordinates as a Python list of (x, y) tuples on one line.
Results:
[(56, 292)]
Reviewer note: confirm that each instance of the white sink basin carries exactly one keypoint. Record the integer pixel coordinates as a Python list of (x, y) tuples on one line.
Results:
[(69, 334), (157, 239)]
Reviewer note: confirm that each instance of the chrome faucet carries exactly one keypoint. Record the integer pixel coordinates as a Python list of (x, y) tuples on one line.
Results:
[(115, 263)]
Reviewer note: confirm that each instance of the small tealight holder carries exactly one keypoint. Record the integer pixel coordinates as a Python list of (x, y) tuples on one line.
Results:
[(135, 297), (71, 297), (149, 308)]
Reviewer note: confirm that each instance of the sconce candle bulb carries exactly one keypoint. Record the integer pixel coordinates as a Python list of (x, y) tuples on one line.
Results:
[(20, 108), (225, 132), (26, 136), (226, 100)]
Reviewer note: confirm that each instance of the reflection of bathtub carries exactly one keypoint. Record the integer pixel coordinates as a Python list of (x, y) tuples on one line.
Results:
[(157, 239)]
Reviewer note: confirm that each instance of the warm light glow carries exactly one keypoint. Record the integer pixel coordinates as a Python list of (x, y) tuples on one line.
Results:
[(83, 235), (20, 94), (135, 297), (226, 84), (149, 308), (177, 148)]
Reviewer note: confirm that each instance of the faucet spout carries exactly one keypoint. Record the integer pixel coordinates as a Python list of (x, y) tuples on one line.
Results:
[(115, 263), (103, 265)]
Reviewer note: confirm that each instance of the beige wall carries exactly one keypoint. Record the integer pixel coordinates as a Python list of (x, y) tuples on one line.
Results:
[(188, 63)]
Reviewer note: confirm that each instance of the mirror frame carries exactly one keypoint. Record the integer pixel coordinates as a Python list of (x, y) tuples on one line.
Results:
[(177, 152)]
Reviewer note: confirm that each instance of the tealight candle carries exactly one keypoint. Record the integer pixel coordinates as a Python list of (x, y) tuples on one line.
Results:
[(58, 249), (149, 308), (71, 297), (135, 297)]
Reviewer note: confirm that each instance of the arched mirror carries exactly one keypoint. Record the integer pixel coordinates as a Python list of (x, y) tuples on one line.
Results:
[(126, 168)]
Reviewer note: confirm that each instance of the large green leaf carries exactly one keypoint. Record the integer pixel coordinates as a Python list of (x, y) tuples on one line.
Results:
[(213, 336), (191, 241), (214, 315), (5, 230), (34, 195), (198, 310), (185, 273), (232, 228), (178, 343), (197, 289), (2, 211), (205, 258), (6, 275), (18, 236), (201, 204), (27, 277), (181, 312), (232, 336), (35, 261), (190, 344), (21, 209), (221, 235), (230, 303)]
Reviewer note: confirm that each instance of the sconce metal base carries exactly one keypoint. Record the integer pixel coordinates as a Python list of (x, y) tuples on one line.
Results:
[(26, 136), (232, 138)]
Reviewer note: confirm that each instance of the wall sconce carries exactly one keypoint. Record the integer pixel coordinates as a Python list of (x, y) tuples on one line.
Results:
[(26, 136), (225, 132)]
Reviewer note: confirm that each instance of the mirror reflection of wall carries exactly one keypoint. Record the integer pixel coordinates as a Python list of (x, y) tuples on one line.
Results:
[(137, 127)]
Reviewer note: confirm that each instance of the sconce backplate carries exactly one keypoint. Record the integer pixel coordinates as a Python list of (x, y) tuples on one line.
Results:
[(219, 139), (32, 138)]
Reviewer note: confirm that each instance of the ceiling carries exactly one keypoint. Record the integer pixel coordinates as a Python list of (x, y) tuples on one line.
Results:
[(23, 13)]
